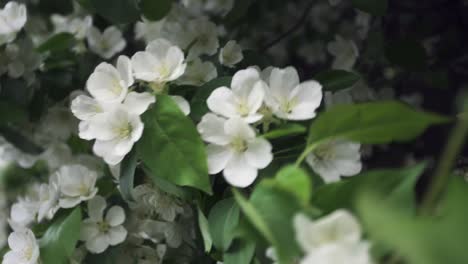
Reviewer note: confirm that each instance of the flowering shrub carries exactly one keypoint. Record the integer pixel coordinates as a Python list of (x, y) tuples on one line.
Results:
[(223, 131)]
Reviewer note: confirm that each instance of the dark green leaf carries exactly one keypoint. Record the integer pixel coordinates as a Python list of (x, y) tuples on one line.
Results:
[(155, 9), (59, 242), (127, 175), (58, 42), (204, 230), (223, 219), (335, 80), (241, 252), (172, 148), (373, 7), (285, 130), (117, 12), (198, 103)]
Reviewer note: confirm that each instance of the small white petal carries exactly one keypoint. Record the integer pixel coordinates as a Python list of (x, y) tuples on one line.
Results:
[(239, 172), (218, 157), (115, 216), (258, 153)]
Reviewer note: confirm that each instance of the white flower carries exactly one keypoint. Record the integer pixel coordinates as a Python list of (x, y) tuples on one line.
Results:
[(333, 239), (160, 63), (115, 135), (99, 231), (356, 253), (334, 159), (107, 43), (24, 248), (289, 99), (76, 184), (12, 19), (221, 7), (198, 73), (22, 213), (234, 149), (338, 227), (231, 54), (48, 201), (79, 27), (206, 38), (108, 84), (243, 100), (345, 53), (153, 201)]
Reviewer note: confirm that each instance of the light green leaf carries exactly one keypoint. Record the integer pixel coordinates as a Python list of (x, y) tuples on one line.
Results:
[(172, 148), (335, 80), (241, 252), (276, 226), (127, 175), (396, 184), (60, 239), (155, 9), (223, 219), (295, 181), (254, 217), (420, 239), (369, 123), (204, 230), (285, 130), (198, 103), (117, 12), (373, 7)]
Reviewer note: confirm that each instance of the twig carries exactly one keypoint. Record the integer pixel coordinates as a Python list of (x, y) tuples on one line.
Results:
[(295, 27)]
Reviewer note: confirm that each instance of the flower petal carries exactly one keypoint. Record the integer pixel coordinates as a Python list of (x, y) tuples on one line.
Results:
[(96, 208), (239, 172), (222, 101), (258, 153), (218, 157), (115, 216)]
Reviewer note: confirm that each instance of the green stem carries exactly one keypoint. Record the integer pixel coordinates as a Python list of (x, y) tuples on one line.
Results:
[(306, 152), (444, 169)]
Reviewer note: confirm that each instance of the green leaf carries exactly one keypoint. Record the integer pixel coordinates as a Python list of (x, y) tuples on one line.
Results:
[(117, 12), (396, 184), (419, 239), (127, 175), (172, 148), (241, 252), (372, 123), (198, 103), (335, 80), (373, 7), (204, 230), (254, 217), (57, 43), (285, 130), (223, 219), (276, 226), (59, 242), (295, 181), (238, 11), (155, 9)]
